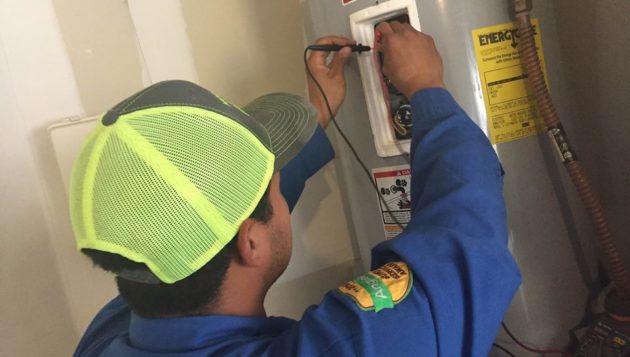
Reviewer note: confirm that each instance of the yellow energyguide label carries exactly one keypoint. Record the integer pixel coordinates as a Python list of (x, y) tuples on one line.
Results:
[(510, 105), (381, 288)]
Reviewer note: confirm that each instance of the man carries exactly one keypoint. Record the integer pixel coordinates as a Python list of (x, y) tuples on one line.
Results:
[(158, 204)]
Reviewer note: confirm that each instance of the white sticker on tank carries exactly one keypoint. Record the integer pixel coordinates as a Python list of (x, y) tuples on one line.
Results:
[(394, 186)]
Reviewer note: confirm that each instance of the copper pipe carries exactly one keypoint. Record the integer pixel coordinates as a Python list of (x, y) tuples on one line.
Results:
[(590, 199)]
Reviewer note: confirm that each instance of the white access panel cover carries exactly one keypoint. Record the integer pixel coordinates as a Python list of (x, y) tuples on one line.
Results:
[(67, 137), (362, 25)]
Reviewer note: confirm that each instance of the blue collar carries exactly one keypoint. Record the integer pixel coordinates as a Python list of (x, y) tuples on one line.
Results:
[(186, 333)]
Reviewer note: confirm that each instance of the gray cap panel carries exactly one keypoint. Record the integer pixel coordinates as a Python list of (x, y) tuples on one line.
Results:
[(290, 121), (178, 92)]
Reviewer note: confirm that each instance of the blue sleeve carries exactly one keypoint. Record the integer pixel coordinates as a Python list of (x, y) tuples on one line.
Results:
[(111, 322), (456, 242), (315, 154), (454, 249)]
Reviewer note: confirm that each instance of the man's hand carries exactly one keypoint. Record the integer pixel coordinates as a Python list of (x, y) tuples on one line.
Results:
[(410, 58), (330, 77)]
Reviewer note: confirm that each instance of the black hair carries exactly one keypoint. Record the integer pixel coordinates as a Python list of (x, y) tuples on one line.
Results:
[(184, 297)]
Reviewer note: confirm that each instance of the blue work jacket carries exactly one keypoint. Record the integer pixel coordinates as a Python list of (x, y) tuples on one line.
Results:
[(440, 288)]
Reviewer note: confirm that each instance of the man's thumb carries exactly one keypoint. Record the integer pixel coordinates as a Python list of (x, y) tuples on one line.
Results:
[(339, 60)]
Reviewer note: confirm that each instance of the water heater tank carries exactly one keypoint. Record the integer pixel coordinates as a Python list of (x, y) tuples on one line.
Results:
[(542, 236)]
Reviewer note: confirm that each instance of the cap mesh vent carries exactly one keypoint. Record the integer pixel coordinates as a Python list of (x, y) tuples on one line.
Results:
[(156, 190), (238, 166)]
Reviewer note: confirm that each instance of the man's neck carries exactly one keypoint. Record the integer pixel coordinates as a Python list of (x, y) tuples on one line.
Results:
[(242, 293)]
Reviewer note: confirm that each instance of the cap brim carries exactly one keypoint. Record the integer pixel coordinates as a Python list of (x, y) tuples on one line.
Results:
[(290, 121)]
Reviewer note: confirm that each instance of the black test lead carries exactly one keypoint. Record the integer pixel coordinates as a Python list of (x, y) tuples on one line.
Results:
[(355, 48), (333, 48)]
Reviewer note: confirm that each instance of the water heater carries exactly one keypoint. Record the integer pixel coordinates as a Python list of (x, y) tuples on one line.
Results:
[(542, 237)]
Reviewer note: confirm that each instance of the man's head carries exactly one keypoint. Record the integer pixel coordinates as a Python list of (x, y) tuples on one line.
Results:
[(176, 190)]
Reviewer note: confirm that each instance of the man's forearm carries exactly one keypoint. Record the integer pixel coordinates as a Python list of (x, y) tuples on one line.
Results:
[(293, 176)]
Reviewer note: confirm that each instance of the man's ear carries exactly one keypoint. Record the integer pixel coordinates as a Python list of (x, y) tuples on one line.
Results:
[(251, 242)]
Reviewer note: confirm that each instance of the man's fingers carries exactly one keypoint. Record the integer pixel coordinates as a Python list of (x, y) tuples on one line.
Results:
[(397, 26), (319, 57), (338, 61), (385, 28)]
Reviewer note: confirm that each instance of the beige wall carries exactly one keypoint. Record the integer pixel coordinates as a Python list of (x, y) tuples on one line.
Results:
[(101, 45), (259, 43), (69, 58), (34, 312)]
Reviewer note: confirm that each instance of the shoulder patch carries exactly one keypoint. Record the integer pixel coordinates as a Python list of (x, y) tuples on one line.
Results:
[(381, 288)]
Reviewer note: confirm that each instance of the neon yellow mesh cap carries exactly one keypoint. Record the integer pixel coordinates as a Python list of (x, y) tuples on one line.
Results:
[(170, 173)]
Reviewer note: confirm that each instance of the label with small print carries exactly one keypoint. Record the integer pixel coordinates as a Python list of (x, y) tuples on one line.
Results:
[(380, 289)]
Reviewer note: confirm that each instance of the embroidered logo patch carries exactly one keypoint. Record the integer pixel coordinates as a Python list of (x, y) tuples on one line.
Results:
[(381, 288)]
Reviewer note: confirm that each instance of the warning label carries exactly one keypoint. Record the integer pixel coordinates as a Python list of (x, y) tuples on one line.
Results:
[(510, 107), (394, 186)]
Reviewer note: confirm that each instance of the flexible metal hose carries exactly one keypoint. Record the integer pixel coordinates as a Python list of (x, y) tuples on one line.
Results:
[(590, 199)]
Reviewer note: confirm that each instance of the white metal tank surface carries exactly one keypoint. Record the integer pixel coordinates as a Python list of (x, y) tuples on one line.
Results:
[(556, 258)]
